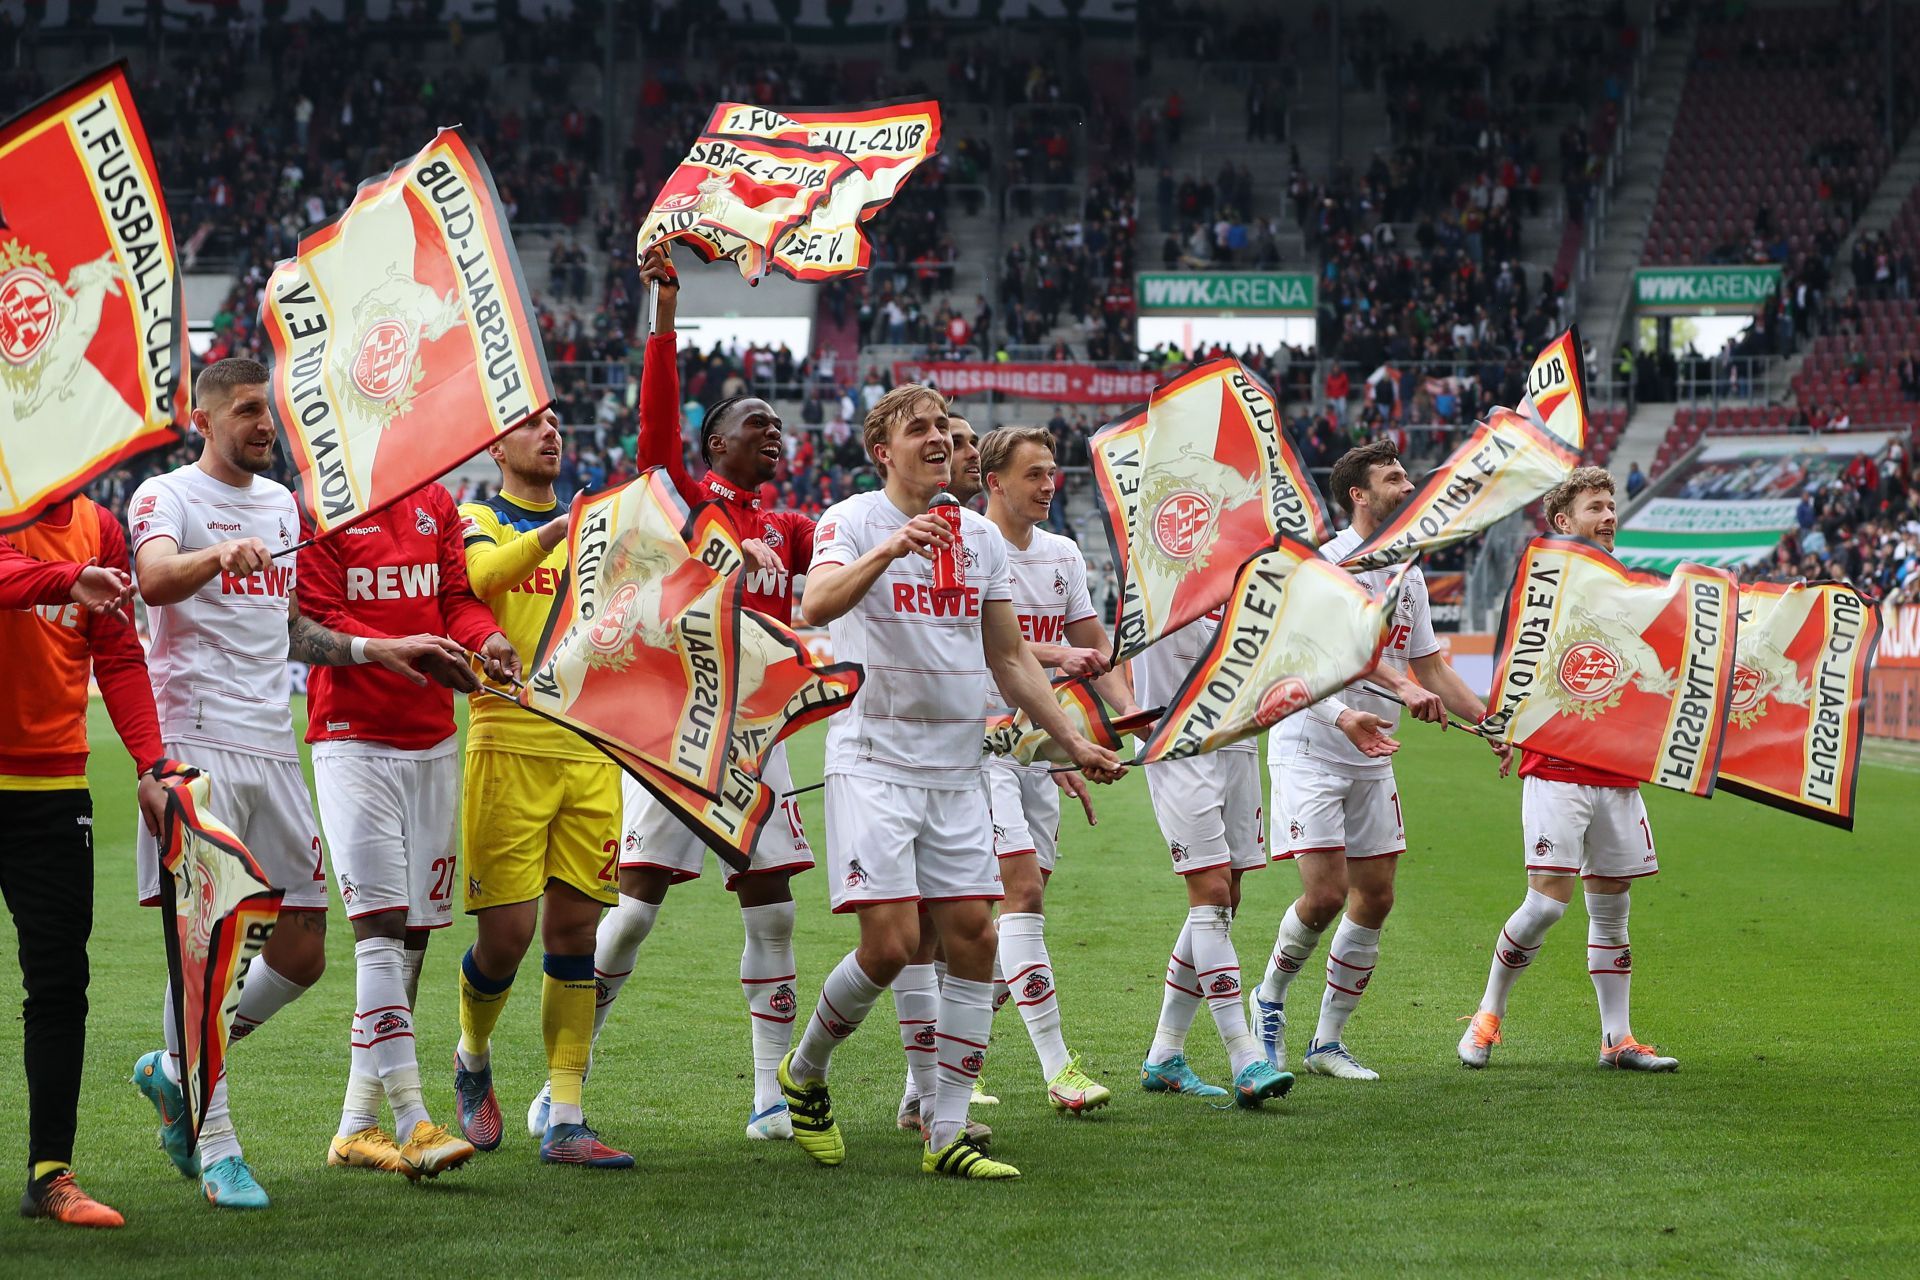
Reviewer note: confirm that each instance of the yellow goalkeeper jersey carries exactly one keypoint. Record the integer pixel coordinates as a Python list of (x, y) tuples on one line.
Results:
[(521, 584)]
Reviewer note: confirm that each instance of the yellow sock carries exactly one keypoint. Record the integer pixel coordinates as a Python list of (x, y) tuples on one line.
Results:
[(42, 1168), (566, 1023), (481, 1001)]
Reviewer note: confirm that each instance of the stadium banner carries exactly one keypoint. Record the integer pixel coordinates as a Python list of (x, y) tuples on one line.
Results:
[(93, 318), (886, 141), (735, 199), (1799, 697), (1062, 383), (1446, 598), (1295, 630), (1893, 710), (1704, 291), (1614, 668), (1226, 293), (1192, 486), (813, 20), (193, 16), (1506, 463), (403, 336), (1899, 637), (1668, 532), (217, 911), (1013, 733), (642, 649)]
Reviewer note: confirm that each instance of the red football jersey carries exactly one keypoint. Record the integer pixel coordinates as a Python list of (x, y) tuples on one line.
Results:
[(397, 572), (788, 533), (1533, 764)]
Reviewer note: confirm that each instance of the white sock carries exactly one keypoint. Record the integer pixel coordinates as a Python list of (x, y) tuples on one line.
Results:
[(615, 950), (263, 993), (217, 1138), (846, 997), (912, 1092), (415, 958), (1029, 975), (767, 977), (385, 1027), (1294, 943), (170, 1035), (1218, 970), (1516, 946), (1350, 960), (966, 1019), (1610, 962), (361, 1110), (916, 1004), (1178, 1003)]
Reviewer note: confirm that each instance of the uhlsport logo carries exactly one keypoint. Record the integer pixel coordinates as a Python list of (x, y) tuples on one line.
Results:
[(46, 328), (782, 1001)]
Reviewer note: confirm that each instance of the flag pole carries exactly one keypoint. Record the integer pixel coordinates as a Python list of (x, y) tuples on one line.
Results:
[(1455, 720)]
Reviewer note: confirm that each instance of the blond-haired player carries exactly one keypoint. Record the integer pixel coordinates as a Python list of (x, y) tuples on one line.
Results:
[(1576, 821), (907, 817)]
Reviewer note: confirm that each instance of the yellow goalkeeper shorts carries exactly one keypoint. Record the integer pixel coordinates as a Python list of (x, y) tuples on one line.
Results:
[(526, 820)]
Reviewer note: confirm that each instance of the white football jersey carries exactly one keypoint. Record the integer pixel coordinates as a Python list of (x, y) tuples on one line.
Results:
[(1309, 736), (920, 716), (1159, 672), (218, 659), (1049, 593)]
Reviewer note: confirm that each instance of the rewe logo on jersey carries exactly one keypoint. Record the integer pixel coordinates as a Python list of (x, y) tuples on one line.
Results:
[(1041, 628), (767, 582), (275, 582), (394, 582), (918, 597)]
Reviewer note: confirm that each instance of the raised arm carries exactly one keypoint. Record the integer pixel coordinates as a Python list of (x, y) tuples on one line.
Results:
[(659, 443)]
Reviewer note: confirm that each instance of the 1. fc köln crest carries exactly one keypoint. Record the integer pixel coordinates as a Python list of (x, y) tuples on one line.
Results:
[(92, 322)]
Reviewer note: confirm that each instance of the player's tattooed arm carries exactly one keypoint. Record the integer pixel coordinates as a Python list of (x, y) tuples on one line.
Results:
[(313, 644)]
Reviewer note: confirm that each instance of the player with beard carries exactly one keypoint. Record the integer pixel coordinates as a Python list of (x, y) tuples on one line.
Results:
[(907, 817), (225, 620), (540, 818), (1336, 807), (740, 441), (1576, 821), (386, 772)]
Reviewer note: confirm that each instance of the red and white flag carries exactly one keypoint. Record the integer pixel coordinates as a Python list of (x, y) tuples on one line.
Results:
[(93, 319), (1192, 486), (737, 198), (886, 141), (1797, 714), (218, 912), (1616, 668), (1295, 630), (403, 336)]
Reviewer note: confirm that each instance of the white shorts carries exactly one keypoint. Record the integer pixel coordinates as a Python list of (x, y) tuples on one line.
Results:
[(1577, 830), (654, 837), (1209, 810), (1026, 812), (263, 801), (891, 842), (1315, 811), (390, 822)]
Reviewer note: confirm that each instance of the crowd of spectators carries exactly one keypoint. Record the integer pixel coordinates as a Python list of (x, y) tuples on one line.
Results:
[(1863, 527)]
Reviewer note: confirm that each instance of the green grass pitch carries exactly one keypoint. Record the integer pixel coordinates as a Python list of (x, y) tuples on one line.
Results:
[(1775, 957)]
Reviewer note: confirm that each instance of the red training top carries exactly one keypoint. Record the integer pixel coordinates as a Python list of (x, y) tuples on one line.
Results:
[(47, 652), (1553, 769), (401, 571), (788, 533)]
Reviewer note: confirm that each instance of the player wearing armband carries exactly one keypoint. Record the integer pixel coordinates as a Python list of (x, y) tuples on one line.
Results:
[(1576, 821)]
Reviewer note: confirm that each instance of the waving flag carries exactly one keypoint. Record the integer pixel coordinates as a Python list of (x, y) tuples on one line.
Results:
[(643, 651), (1506, 463), (736, 198), (1799, 694), (1193, 485), (1295, 630), (218, 911), (93, 322), (403, 336), (1616, 668), (1013, 733), (885, 141), (1556, 396)]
